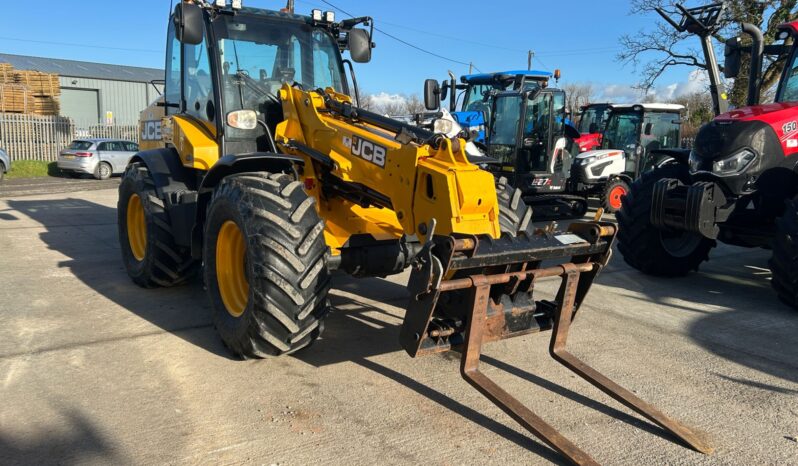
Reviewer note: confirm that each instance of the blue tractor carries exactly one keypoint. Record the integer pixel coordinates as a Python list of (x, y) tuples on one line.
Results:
[(521, 126), (475, 109)]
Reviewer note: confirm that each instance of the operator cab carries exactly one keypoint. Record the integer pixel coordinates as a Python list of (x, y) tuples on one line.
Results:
[(527, 136), (238, 59), (638, 130)]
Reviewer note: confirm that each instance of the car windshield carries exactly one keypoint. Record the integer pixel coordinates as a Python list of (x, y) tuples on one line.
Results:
[(789, 88), (80, 145), (257, 58), (623, 131)]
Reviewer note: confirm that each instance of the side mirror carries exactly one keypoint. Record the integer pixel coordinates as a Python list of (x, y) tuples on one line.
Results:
[(359, 44), (732, 52), (445, 90), (188, 23), (648, 128), (432, 94)]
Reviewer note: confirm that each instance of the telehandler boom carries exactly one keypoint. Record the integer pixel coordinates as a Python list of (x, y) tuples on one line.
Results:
[(258, 166)]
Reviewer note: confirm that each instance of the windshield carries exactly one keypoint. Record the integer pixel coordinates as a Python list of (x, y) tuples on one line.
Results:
[(592, 119), (257, 58), (623, 131), (660, 130), (504, 130), (789, 88)]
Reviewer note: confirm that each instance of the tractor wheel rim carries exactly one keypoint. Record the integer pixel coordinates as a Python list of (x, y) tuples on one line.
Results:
[(136, 227), (230, 268), (615, 196)]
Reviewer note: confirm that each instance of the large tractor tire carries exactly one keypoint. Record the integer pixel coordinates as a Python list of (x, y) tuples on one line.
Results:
[(149, 251), (265, 269), (514, 215), (649, 249), (784, 261), (613, 193)]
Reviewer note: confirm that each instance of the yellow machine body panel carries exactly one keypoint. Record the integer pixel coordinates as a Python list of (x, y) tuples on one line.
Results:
[(418, 181), (195, 143), (150, 121)]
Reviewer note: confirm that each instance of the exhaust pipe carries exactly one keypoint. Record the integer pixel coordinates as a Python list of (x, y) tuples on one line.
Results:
[(757, 50)]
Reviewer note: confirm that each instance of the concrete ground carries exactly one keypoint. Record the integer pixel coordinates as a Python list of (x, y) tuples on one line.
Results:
[(96, 370)]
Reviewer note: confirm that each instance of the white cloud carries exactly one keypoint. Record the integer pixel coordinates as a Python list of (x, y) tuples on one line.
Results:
[(697, 81), (383, 100)]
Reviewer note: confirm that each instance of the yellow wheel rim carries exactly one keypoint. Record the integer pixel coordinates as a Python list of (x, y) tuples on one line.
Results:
[(230, 273), (136, 227)]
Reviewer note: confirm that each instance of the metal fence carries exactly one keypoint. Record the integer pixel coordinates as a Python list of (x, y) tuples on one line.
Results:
[(31, 137)]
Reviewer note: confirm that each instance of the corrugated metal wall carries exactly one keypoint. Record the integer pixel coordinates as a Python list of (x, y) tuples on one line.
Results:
[(124, 99)]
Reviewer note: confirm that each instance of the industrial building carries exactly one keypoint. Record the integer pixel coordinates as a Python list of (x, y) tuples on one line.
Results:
[(94, 93)]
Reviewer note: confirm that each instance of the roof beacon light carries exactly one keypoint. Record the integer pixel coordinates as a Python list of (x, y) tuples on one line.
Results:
[(236, 4), (316, 15), (329, 16), (557, 74), (220, 3)]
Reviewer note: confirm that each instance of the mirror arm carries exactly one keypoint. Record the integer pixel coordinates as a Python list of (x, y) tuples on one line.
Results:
[(348, 63)]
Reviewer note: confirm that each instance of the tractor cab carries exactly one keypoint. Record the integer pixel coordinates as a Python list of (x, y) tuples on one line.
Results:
[(592, 119), (527, 137)]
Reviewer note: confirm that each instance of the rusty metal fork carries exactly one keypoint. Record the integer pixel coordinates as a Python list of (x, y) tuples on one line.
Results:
[(469, 369)]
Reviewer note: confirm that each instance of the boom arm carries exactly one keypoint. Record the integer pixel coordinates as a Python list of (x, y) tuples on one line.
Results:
[(373, 161)]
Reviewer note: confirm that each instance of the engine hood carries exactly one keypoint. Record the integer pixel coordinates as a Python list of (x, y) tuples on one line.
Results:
[(603, 153), (781, 117)]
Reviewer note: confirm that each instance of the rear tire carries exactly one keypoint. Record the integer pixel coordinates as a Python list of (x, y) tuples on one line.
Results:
[(276, 304), (784, 261), (649, 249), (2, 171), (103, 171), (514, 215), (160, 261), (613, 193)]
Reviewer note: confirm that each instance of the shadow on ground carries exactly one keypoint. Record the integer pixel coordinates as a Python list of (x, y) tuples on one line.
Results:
[(86, 233), (745, 321), (75, 441)]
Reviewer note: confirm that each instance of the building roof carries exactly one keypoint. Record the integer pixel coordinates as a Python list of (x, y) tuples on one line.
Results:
[(83, 69)]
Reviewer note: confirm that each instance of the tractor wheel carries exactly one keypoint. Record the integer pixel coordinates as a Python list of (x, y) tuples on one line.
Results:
[(649, 249), (784, 262), (265, 270), (613, 193), (2, 171), (514, 214), (149, 251), (103, 171)]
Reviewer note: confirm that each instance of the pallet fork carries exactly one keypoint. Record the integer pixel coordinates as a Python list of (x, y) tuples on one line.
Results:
[(463, 294)]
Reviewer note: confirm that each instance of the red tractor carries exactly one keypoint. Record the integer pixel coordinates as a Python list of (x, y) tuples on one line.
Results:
[(739, 183), (591, 125)]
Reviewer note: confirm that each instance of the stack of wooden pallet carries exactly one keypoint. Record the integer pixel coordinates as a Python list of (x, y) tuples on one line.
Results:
[(45, 88), (15, 98), (6, 73)]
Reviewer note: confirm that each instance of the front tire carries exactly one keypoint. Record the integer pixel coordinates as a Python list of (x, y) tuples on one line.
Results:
[(265, 270), (514, 214), (649, 249), (151, 256), (784, 261)]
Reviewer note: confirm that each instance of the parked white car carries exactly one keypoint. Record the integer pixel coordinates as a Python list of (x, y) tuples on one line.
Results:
[(101, 158), (5, 164)]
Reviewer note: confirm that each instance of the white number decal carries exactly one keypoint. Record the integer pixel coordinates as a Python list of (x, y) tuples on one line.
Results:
[(789, 127)]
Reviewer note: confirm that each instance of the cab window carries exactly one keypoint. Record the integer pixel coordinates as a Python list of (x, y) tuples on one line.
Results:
[(789, 88), (198, 84), (173, 88)]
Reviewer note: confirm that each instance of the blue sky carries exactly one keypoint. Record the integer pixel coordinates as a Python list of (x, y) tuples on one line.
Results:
[(579, 37)]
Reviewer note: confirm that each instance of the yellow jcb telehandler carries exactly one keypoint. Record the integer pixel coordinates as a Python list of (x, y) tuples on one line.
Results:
[(258, 169)]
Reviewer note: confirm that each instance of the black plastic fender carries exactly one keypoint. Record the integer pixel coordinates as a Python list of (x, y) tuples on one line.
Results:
[(167, 170), (680, 155)]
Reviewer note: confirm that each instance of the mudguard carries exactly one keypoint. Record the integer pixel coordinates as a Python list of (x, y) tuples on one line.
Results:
[(168, 173)]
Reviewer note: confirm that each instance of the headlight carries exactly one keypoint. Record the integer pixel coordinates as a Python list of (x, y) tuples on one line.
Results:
[(442, 126), (735, 164), (587, 160)]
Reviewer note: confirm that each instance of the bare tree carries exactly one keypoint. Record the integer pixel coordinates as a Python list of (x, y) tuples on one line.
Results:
[(414, 104), (653, 51), (366, 101), (697, 111), (577, 95)]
